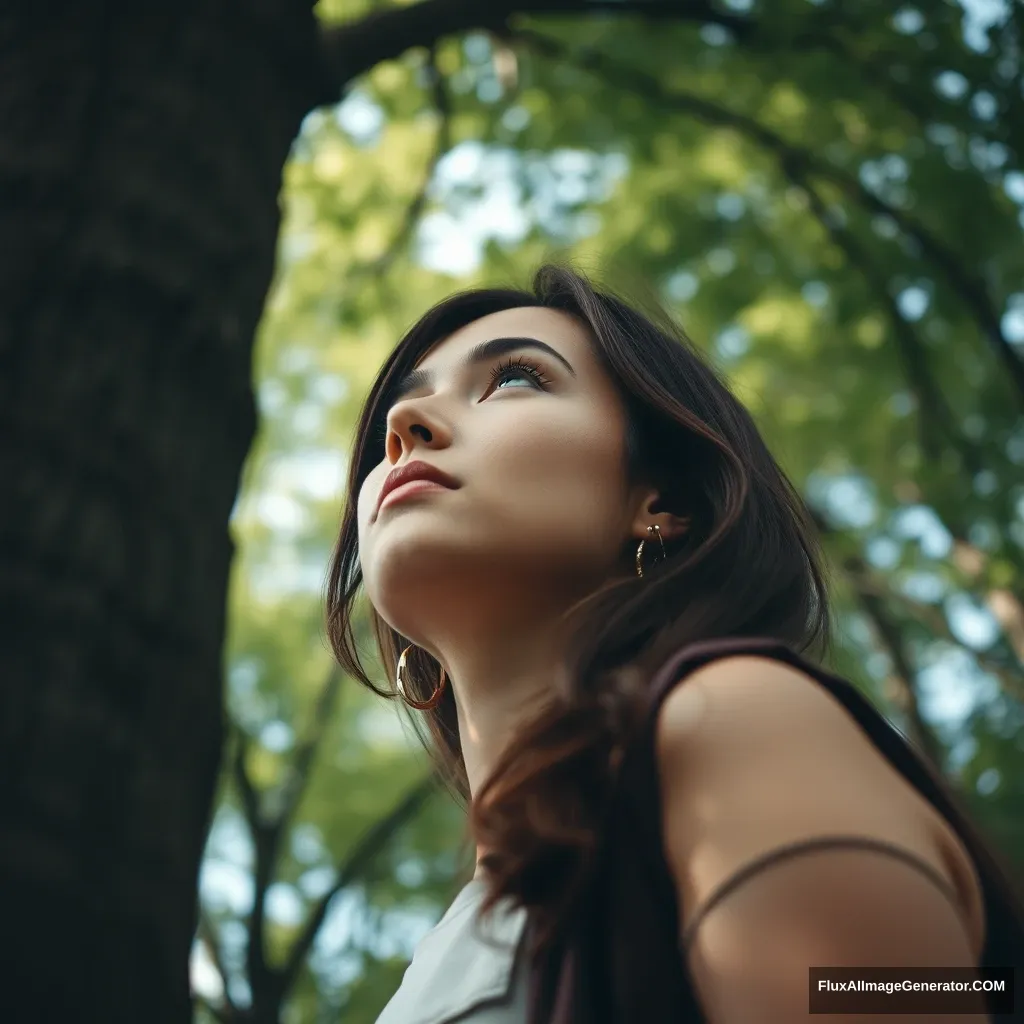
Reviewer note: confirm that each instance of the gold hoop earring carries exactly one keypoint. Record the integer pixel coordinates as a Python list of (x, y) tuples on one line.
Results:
[(420, 705), (654, 531)]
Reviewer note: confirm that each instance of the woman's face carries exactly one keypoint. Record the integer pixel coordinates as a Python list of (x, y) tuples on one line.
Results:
[(533, 431)]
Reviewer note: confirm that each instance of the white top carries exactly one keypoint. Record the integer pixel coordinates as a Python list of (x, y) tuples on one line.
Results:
[(466, 969)]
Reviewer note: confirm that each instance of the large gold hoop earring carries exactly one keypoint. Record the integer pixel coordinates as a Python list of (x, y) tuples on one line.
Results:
[(420, 705), (654, 531)]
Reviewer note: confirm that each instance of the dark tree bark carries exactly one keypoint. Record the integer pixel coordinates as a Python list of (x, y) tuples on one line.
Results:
[(141, 148)]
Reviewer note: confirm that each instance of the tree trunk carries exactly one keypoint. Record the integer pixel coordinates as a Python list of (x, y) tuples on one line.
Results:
[(141, 149)]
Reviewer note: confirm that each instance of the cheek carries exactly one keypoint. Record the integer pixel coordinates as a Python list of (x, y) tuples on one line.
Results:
[(365, 501), (563, 480)]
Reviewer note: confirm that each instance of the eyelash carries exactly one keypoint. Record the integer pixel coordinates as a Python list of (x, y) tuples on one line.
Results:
[(520, 367), (503, 371)]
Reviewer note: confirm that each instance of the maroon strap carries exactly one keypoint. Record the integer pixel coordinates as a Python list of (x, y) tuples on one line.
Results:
[(693, 656)]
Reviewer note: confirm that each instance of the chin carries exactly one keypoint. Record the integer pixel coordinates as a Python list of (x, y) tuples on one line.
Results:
[(412, 545), (403, 575)]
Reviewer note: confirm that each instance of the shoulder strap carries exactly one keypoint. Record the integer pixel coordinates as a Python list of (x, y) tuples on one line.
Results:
[(1004, 908)]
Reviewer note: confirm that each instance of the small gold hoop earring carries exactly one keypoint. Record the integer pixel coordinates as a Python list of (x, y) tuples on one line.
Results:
[(420, 705), (654, 531)]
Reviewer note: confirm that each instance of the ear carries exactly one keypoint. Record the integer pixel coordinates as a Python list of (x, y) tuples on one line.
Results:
[(672, 527)]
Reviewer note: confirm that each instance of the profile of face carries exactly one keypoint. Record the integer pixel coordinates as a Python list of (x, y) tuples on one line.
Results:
[(517, 408)]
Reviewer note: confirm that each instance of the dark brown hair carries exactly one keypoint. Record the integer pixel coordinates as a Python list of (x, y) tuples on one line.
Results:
[(749, 565)]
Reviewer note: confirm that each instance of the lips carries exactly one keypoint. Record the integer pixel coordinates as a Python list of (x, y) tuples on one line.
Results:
[(415, 471)]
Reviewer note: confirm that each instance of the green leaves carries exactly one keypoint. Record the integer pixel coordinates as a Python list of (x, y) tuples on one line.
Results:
[(824, 195)]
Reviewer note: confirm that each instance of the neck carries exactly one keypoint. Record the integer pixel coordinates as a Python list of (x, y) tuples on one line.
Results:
[(501, 676), (502, 646)]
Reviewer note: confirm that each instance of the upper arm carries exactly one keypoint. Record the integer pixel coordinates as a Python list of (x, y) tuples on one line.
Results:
[(753, 755)]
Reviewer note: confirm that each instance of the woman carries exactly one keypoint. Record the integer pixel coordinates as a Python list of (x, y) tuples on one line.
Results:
[(559, 513)]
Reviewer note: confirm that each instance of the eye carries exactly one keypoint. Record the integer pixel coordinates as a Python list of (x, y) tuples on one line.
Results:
[(517, 369)]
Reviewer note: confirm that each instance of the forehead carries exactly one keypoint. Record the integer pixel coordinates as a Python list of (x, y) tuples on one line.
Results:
[(561, 331)]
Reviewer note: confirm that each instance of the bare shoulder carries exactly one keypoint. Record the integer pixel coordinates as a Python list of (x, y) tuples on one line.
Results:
[(754, 754), (759, 706), (755, 706)]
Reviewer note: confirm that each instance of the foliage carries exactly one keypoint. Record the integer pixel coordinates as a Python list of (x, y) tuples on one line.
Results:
[(829, 196)]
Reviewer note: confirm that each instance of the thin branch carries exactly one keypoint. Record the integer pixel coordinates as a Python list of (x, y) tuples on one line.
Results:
[(1005, 658), (904, 692), (246, 791), (873, 594), (207, 934), (887, 633), (268, 834), (256, 964), (970, 289), (849, 38), (1005, 606), (351, 49), (930, 400), (214, 1011), (305, 754), (414, 211), (936, 622), (358, 860)]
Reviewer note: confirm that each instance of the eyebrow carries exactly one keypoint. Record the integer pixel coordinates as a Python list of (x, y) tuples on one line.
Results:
[(481, 353)]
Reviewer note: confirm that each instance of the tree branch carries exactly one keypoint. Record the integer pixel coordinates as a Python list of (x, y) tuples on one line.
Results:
[(305, 755), (970, 289), (848, 37), (414, 211), (214, 1011), (904, 692), (887, 633), (246, 792), (934, 620), (930, 400), (256, 965), (1006, 607), (357, 861), (267, 835), (872, 594), (208, 936), (351, 49)]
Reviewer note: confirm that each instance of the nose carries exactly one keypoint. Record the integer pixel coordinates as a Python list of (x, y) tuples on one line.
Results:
[(412, 424)]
